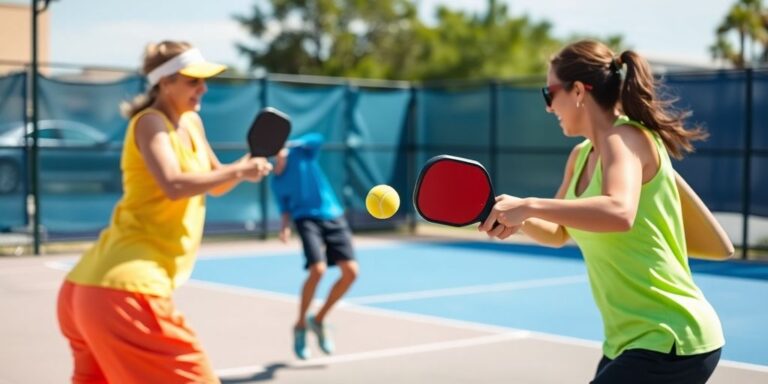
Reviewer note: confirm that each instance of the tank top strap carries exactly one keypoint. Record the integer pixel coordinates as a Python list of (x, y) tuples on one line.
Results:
[(661, 149)]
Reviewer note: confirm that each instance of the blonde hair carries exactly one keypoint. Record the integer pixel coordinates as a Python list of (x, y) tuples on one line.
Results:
[(155, 54)]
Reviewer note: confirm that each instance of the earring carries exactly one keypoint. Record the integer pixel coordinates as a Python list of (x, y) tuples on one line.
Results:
[(578, 105)]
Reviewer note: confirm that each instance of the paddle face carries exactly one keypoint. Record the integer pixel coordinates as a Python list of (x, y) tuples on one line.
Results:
[(453, 191), (268, 132)]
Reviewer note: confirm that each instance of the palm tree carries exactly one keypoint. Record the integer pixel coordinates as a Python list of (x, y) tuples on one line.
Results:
[(748, 19), (764, 56)]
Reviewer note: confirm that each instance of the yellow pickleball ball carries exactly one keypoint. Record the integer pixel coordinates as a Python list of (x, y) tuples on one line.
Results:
[(382, 201)]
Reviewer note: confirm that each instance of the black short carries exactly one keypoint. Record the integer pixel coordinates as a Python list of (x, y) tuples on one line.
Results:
[(333, 236), (643, 366)]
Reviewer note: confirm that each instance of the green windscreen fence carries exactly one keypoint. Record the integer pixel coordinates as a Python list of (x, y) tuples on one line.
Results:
[(529, 139), (374, 135), (80, 138), (13, 156), (719, 103), (228, 110), (759, 142), (376, 139)]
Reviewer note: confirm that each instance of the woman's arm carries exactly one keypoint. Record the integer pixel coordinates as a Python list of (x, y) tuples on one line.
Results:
[(227, 186), (546, 232), (613, 211), (155, 146)]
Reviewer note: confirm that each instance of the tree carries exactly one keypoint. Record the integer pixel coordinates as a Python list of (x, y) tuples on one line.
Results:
[(385, 39), (748, 19), (328, 37), (465, 46)]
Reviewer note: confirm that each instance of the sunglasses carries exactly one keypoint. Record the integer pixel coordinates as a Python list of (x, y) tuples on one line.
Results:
[(549, 92)]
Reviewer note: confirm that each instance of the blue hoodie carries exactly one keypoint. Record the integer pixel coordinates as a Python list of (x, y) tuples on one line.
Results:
[(302, 189)]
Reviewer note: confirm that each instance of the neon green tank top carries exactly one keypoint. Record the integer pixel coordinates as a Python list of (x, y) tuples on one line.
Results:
[(640, 279), (151, 242)]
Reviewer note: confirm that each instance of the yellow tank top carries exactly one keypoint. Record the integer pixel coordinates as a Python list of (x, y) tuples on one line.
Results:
[(151, 242)]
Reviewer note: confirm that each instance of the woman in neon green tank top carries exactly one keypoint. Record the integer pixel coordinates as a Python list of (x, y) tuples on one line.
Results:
[(115, 306), (619, 202)]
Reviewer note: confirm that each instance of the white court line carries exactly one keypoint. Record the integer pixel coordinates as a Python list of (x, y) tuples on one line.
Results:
[(292, 299), (384, 353), (745, 366), (434, 320), (247, 255), (59, 265), (19, 270), (431, 347), (469, 290)]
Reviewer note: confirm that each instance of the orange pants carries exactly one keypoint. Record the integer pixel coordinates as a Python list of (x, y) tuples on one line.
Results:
[(125, 337)]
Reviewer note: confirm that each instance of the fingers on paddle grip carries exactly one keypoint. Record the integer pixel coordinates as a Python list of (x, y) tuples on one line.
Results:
[(487, 212)]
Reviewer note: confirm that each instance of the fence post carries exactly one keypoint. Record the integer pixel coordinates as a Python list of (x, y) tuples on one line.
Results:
[(263, 184), (33, 203), (494, 129), (746, 190), (349, 121), (25, 159), (411, 153)]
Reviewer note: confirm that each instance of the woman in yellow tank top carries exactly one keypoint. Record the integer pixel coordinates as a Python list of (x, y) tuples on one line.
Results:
[(115, 306), (619, 202)]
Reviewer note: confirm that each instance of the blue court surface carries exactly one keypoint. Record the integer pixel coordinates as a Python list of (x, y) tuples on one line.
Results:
[(508, 285)]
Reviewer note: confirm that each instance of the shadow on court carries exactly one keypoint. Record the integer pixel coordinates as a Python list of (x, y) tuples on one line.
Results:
[(268, 374)]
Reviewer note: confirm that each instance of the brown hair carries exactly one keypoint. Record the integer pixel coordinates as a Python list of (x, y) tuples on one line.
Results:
[(593, 63), (155, 54)]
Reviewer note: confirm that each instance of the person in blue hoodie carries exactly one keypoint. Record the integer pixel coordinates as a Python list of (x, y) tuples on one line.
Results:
[(305, 197)]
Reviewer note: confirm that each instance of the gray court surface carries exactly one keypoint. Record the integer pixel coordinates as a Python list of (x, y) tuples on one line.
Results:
[(247, 334)]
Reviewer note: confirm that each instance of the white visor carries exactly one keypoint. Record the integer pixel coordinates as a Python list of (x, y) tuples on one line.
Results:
[(190, 63)]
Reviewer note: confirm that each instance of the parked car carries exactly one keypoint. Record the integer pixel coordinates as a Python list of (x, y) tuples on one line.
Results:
[(72, 156)]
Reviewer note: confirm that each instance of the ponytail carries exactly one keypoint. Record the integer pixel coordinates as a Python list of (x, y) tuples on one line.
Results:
[(639, 102), (130, 108)]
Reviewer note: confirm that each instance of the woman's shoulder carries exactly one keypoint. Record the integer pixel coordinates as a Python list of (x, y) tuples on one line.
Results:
[(635, 136), (641, 142), (149, 119)]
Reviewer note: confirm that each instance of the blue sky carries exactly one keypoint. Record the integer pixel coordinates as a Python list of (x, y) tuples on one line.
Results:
[(113, 33)]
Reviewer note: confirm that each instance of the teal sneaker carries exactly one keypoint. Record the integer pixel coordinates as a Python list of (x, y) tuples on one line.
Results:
[(323, 336), (300, 343)]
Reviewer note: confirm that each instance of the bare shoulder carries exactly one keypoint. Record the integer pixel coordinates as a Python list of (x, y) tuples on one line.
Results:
[(635, 139), (150, 122), (630, 133), (148, 126)]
